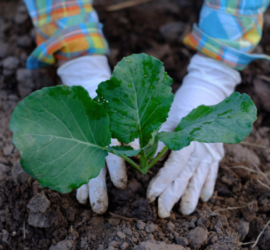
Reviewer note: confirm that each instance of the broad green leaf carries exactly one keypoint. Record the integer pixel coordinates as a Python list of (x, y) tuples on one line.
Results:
[(62, 135), (123, 150), (229, 122), (137, 98)]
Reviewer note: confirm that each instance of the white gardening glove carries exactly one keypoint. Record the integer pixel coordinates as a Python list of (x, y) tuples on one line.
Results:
[(191, 172), (88, 71)]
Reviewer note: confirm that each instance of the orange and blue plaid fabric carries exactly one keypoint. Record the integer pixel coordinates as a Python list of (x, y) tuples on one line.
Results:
[(229, 30), (64, 29)]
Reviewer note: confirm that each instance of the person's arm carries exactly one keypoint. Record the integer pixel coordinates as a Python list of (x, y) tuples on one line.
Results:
[(69, 33), (65, 30), (227, 33)]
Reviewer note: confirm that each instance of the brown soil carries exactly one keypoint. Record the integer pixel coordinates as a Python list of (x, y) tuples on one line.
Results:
[(36, 218)]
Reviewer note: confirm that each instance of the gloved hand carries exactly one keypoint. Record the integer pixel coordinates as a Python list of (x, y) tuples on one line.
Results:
[(191, 172), (88, 71)]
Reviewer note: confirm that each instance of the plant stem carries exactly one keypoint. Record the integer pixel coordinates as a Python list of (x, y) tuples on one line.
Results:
[(155, 160), (144, 163), (132, 163)]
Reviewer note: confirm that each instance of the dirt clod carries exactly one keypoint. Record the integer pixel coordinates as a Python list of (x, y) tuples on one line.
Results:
[(42, 220), (182, 241), (114, 244), (18, 174), (114, 222), (265, 240), (249, 212), (121, 235), (149, 245), (170, 227), (124, 246), (5, 236), (10, 63), (141, 225), (64, 245), (150, 227), (127, 231), (172, 31), (38, 204), (242, 154), (196, 237), (243, 229)]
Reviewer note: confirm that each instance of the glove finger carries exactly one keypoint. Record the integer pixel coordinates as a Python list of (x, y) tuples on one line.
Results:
[(135, 144), (210, 181), (190, 197), (215, 150), (82, 194), (117, 169), (166, 175), (176, 189), (98, 193)]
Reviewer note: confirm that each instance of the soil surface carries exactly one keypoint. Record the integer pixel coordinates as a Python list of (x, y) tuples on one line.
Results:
[(36, 218)]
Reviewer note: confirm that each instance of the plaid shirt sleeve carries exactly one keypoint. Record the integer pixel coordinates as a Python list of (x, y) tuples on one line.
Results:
[(64, 29), (229, 30)]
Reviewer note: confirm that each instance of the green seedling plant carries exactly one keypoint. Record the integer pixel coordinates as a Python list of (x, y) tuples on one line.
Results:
[(63, 135)]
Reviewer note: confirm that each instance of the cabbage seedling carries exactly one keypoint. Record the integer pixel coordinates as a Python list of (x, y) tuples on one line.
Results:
[(63, 135)]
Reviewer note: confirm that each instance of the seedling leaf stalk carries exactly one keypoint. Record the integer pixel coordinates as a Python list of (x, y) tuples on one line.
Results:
[(63, 135)]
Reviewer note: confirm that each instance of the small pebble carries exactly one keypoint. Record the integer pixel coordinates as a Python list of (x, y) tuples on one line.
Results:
[(172, 31), (170, 236), (134, 239), (214, 239), (151, 237), (24, 41), (4, 49), (200, 222), (127, 231), (140, 225), (194, 220), (10, 63), (8, 72), (191, 225), (114, 244), (124, 246), (150, 227), (23, 74), (101, 247), (121, 235), (170, 227), (182, 241), (8, 149), (114, 222), (20, 18)]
